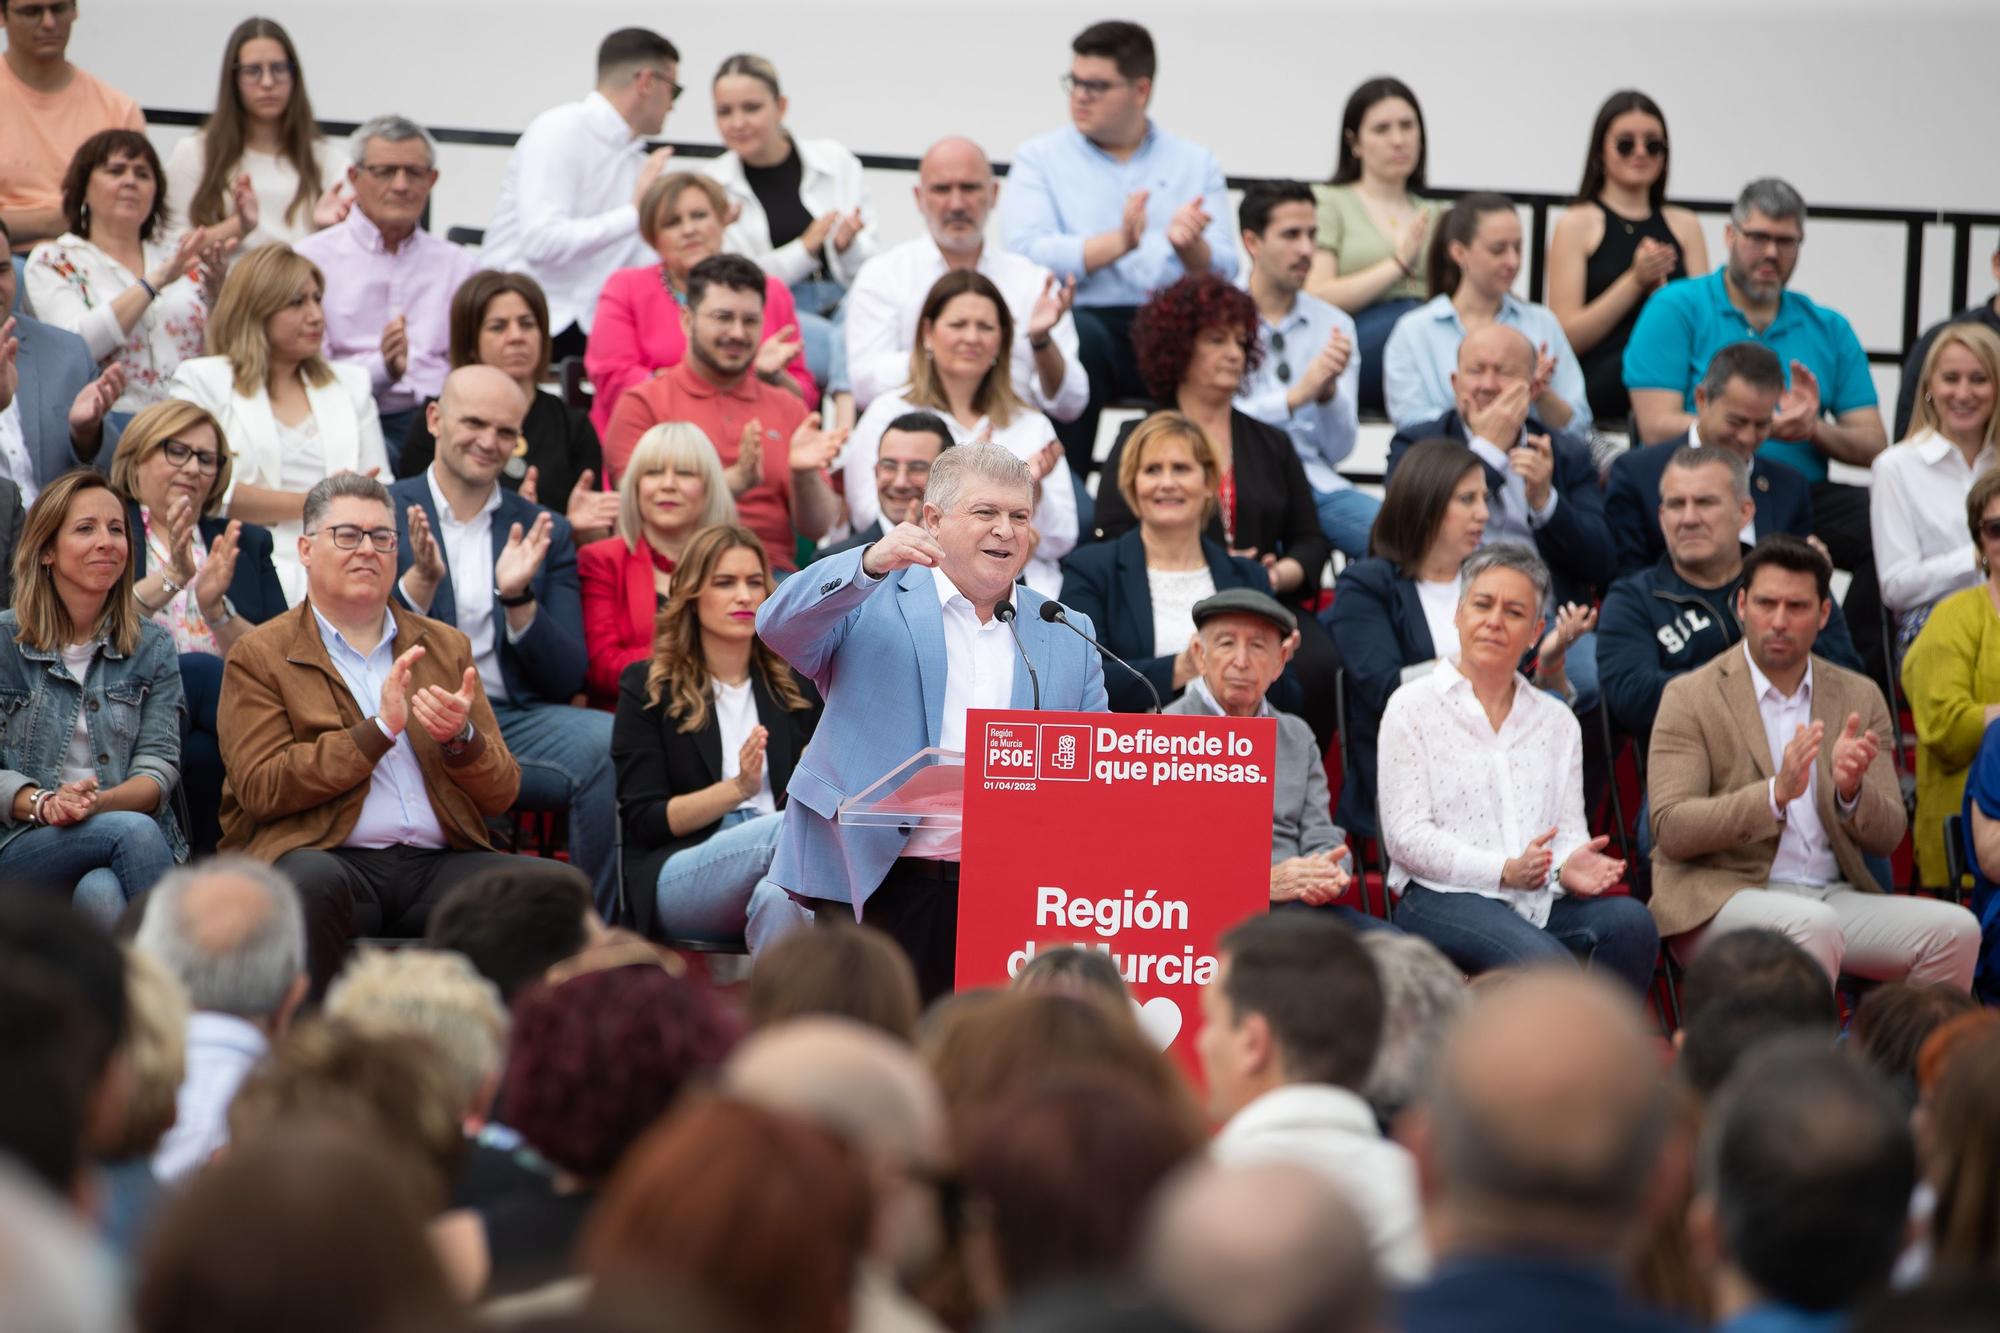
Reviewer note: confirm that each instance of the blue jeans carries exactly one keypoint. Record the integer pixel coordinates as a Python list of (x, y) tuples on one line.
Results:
[(1346, 516), (1371, 335), (1580, 665), (1480, 934), (822, 326), (396, 429), (716, 890), (110, 859), (565, 759)]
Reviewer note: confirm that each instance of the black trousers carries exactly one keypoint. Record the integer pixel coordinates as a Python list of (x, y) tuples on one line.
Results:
[(1104, 349), (916, 906), (1840, 519), (570, 342), (358, 892)]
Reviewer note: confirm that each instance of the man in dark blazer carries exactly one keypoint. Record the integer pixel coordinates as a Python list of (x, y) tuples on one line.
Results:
[(59, 394), (903, 458), (1733, 406), (503, 570)]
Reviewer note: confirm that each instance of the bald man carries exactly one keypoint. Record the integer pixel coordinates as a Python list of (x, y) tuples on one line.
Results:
[(1539, 1151), (502, 569), (1264, 1247), (865, 1087), (956, 191)]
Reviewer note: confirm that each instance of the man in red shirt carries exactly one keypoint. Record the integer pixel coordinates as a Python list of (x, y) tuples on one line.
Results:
[(773, 452)]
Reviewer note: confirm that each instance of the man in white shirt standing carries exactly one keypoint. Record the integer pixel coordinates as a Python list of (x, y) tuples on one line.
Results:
[(1290, 1026), (569, 206), (956, 192), (1770, 787)]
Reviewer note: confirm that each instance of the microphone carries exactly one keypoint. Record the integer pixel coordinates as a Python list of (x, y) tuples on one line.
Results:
[(1004, 610), (1053, 613)]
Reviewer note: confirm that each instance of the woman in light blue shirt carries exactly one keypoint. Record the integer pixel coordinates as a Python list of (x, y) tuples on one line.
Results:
[(1475, 257)]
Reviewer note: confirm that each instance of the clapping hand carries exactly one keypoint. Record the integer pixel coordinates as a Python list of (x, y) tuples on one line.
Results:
[(442, 713), (748, 469), (1410, 247), (904, 545), (812, 448), (1653, 263), (86, 411), (1132, 222), (514, 568), (846, 230), (396, 347), (649, 171), (1314, 880), (1573, 621), (333, 206), (10, 366), (1795, 770), (1185, 229), (1533, 460), (750, 762), (776, 352), (1798, 406), (1053, 303), (244, 195), (1589, 872), (1529, 870), (211, 582), (427, 569), (1853, 751), (394, 710), (1545, 373), (180, 520), (591, 508), (1043, 461)]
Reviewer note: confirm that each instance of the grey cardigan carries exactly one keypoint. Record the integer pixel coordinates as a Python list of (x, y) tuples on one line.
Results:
[(1301, 815)]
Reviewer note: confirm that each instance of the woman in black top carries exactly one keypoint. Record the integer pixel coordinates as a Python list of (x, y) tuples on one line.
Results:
[(1195, 341), (502, 320), (1618, 244)]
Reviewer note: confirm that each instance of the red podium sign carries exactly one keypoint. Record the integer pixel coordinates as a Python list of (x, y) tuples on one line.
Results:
[(1145, 836)]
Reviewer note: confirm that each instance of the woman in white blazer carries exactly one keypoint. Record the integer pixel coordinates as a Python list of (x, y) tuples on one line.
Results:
[(801, 209), (291, 417)]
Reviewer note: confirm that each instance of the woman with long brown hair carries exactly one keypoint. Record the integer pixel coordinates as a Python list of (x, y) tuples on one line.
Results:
[(257, 171), (705, 738), (90, 708)]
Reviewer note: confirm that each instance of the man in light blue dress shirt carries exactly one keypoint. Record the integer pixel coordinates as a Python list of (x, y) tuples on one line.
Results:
[(1308, 380), (1119, 205)]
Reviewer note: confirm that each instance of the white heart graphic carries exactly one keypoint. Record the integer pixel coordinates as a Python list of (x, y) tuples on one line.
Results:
[(1160, 1019)]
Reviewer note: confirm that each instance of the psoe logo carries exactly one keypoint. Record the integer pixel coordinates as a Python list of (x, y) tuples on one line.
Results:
[(1010, 750), (1065, 752)]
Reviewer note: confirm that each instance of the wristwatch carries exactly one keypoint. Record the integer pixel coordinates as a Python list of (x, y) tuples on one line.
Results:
[(456, 745), (222, 617), (527, 595)]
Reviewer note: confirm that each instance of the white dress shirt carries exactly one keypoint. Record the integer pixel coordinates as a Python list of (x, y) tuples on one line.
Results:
[(887, 300), (1322, 433), (736, 718), (1916, 514), (1460, 799), (979, 673), (397, 810), (468, 561), (566, 215), (1749, 531), (1805, 852), (15, 464), (1026, 435), (222, 1049)]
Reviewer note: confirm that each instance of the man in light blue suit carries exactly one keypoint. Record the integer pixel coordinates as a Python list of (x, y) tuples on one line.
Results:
[(54, 396), (901, 637)]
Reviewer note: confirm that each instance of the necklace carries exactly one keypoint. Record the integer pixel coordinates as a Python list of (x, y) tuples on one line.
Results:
[(667, 286)]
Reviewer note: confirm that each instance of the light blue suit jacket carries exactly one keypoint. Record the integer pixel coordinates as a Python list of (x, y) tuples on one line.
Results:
[(876, 651)]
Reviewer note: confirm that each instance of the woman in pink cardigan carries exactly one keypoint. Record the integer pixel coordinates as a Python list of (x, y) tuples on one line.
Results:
[(638, 326)]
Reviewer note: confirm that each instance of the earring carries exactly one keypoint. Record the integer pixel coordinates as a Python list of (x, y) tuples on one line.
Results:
[(83, 220), (1929, 399), (927, 353)]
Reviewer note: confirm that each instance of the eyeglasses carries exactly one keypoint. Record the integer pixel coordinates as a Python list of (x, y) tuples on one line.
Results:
[(34, 14), (386, 172), (1768, 240), (1284, 370), (918, 471), (678, 88), (1989, 529), (1090, 89), (347, 536), (278, 71), (205, 460), (1628, 145)]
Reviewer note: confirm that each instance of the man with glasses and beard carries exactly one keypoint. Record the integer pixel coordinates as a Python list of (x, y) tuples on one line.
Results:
[(903, 459)]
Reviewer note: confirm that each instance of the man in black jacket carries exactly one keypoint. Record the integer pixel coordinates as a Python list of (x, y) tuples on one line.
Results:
[(903, 458)]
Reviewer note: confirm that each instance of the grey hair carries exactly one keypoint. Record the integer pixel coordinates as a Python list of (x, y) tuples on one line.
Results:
[(1770, 196), (389, 129), (988, 462), (341, 486), (1505, 555), (1423, 993), (1688, 457), (254, 976)]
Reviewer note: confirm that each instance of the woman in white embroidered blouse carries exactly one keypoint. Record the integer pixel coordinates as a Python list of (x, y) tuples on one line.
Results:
[(1481, 785), (133, 298), (1917, 493)]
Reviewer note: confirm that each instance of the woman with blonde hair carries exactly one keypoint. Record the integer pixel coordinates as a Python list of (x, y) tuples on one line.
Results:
[(91, 743), (672, 488), (705, 740), (292, 417)]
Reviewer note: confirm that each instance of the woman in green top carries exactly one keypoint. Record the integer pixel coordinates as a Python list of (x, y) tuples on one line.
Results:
[(1374, 221)]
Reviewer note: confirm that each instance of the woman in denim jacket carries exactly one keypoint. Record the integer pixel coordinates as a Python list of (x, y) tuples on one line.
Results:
[(90, 708)]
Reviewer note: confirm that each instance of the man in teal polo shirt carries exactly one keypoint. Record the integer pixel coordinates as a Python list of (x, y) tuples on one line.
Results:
[(1828, 411)]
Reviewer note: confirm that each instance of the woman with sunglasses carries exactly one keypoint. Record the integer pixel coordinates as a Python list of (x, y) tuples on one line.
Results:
[(1618, 244)]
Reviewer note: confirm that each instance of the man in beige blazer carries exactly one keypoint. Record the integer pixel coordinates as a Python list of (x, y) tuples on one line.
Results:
[(1770, 785)]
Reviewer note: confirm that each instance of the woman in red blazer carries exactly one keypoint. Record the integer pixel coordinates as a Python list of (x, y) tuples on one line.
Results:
[(672, 489)]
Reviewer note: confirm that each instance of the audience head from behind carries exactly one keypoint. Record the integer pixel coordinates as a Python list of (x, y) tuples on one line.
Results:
[(262, 88), (47, 1064), (1110, 83), (47, 932), (672, 487), (1960, 381), (723, 315), (904, 456), (232, 931), (348, 548), (1893, 1021), (476, 421), (872, 1092), (955, 192), (53, 1278), (1766, 227), (1743, 988), (761, 1211), (393, 170), (1382, 137), (841, 971), (1423, 993), (1168, 474), (1704, 506), (114, 183), (438, 997), (1080, 972), (1260, 1247), (169, 452), (1806, 1173), (977, 508), (502, 320), (596, 1058), (1736, 398), (1960, 1129), (1280, 222), (1242, 641), (1477, 249), (268, 320), (1493, 383), (1543, 1123), (635, 73), (1783, 604), (154, 1056), (1434, 513), (312, 1230), (514, 925), (1196, 338), (1940, 1305)]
